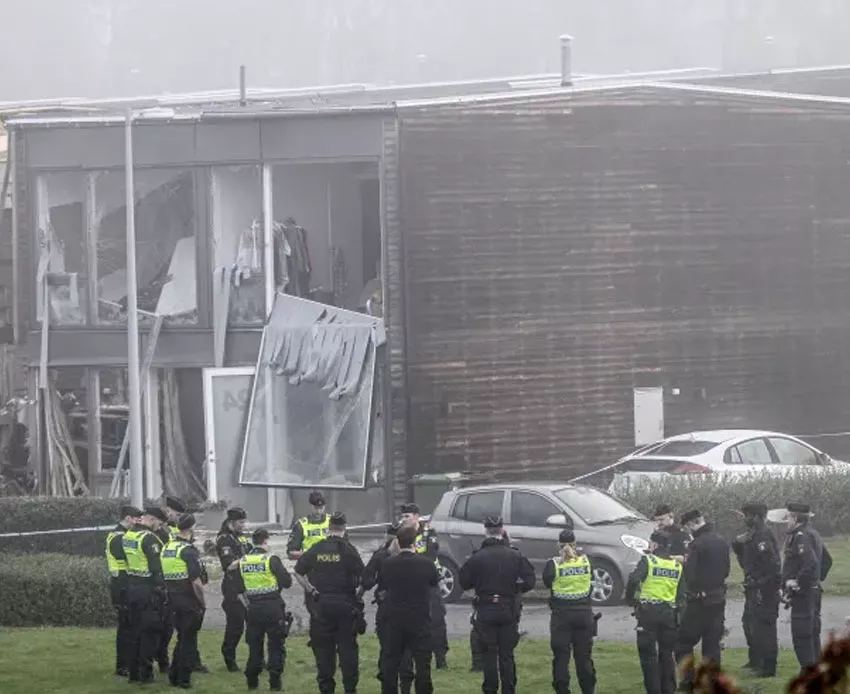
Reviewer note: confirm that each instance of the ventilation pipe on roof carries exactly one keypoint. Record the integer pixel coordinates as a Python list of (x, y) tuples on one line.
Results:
[(566, 60), (243, 87), (769, 54)]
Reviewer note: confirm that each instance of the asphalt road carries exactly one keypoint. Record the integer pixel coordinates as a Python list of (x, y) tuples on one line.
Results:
[(616, 624)]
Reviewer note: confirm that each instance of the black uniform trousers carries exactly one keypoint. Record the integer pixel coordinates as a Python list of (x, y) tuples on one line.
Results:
[(186, 618), (702, 621), (656, 641), (405, 668), (124, 630), (439, 639), (476, 648), (571, 634), (146, 604), (265, 627), (805, 626), (333, 633), (406, 639), (497, 625), (234, 626), (761, 611), (166, 633)]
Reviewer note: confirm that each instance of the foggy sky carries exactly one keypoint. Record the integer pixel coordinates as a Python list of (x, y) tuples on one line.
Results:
[(94, 48)]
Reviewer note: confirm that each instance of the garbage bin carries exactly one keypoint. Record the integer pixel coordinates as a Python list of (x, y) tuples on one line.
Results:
[(427, 490)]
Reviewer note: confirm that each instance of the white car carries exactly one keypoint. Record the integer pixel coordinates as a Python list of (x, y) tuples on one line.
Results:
[(728, 452)]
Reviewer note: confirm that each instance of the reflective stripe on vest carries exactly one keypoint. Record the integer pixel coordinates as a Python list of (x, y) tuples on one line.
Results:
[(257, 575), (572, 578), (137, 562), (421, 544), (115, 566), (662, 581), (314, 533), (174, 568)]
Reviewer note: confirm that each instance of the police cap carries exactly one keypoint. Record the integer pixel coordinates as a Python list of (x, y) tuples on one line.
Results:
[(566, 537), (131, 511), (236, 514), (187, 521), (795, 507), (175, 504), (493, 522), (410, 508), (660, 538), (662, 510), (156, 512), (316, 499), (689, 516), (337, 519), (754, 508)]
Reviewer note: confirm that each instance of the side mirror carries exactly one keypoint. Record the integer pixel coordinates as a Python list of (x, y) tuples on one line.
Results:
[(558, 520)]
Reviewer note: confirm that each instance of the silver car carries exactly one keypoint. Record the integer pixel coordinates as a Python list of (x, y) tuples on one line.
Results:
[(612, 534)]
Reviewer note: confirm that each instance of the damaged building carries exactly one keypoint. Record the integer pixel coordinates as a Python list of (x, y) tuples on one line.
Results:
[(454, 281)]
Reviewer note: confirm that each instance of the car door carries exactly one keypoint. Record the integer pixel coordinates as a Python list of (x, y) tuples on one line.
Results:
[(753, 456), (792, 455), (526, 525), (467, 516)]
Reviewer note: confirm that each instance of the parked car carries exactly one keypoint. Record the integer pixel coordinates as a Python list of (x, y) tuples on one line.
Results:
[(612, 534), (733, 452)]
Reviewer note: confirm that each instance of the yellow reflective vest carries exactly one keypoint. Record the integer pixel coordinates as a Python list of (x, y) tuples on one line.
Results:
[(257, 575), (313, 533), (572, 578), (662, 581)]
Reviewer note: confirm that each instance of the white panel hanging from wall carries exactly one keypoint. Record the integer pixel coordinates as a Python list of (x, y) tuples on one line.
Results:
[(649, 415)]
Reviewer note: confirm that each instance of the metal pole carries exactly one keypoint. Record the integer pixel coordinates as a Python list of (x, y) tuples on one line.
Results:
[(137, 493), (243, 86), (566, 60)]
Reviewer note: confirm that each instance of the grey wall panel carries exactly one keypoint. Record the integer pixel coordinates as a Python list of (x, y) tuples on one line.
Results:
[(223, 142), (164, 145), (320, 138), (72, 148)]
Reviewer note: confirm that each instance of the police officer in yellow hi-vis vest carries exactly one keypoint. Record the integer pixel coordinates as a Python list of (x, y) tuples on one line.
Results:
[(116, 562), (263, 576), (653, 589), (572, 626), (184, 577), (307, 532), (146, 594), (174, 509), (231, 545)]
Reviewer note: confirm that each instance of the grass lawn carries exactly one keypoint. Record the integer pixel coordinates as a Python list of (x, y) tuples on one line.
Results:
[(838, 581), (81, 661)]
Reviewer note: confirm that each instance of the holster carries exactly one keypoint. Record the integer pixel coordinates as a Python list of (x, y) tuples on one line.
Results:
[(360, 617), (287, 623)]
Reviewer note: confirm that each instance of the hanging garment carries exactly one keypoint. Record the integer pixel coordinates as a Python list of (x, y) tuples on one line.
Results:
[(340, 276)]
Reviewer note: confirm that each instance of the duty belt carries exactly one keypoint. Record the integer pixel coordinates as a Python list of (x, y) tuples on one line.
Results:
[(493, 599)]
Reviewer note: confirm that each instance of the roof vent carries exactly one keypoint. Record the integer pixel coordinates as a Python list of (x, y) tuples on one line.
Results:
[(566, 60)]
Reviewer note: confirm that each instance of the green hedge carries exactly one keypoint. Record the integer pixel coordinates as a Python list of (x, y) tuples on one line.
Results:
[(827, 494), (54, 590)]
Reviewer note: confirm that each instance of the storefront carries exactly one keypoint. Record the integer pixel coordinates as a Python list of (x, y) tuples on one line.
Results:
[(233, 211)]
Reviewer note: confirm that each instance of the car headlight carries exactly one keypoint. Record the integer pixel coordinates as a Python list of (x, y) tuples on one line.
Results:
[(638, 544)]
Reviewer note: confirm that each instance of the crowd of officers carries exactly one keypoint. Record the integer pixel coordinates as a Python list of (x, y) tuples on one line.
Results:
[(678, 590)]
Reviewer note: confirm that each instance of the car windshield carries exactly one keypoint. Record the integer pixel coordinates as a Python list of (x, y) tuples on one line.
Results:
[(595, 507), (680, 448)]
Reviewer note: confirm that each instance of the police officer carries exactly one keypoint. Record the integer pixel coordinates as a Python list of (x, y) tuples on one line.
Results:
[(174, 508), (705, 574), (408, 579), (652, 588), (231, 545), (497, 574), (146, 594), (184, 578), (263, 576), (428, 544), (666, 522), (116, 562), (475, 647), (571, 626), (758, 554), (807, 563), (330, 572), (371, 577), (307, 532)]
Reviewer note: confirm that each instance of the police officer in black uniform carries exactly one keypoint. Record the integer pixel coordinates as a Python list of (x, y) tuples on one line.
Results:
[(116, 563), (263, 576), (476, 649), (369, 580), (428, 544), (185, 578), (807, 563), (705, 574), (572, 625), (498, 574), (330, 572), (146, 593), (758, 554), (231, 545), (679, 538)]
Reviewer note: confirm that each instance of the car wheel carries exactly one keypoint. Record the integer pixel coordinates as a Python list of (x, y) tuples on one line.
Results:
[(607, 586), (449, 580)]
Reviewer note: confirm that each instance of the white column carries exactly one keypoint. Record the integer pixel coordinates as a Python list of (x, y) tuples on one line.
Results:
[(153, 474), (268, 271)]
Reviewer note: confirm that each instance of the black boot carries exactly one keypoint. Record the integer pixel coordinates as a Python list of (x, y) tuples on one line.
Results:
[(231, 666), (253, 681), (274, 683), (440, 661)]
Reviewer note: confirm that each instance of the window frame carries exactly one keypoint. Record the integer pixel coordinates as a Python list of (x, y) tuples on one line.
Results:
[(727, 455), (538, 495), (778, 459), (465, 497)]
